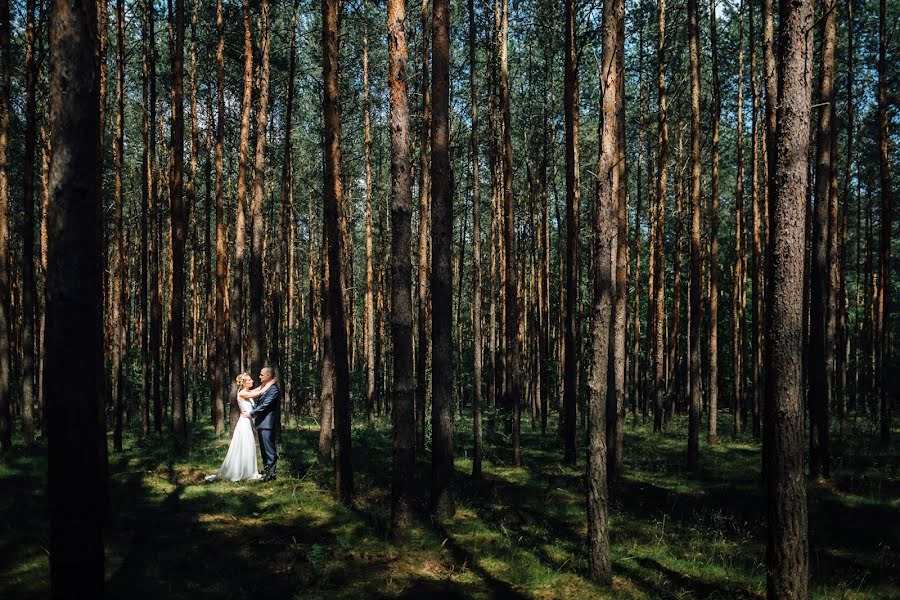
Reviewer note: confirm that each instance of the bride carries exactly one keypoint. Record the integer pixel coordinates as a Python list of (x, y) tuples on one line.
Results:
[(240, 461)]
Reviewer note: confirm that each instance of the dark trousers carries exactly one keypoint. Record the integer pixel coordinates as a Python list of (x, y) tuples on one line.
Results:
[(267, 439)]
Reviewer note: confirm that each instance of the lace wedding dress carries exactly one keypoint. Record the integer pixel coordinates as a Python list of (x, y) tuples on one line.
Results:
[(240, 461)]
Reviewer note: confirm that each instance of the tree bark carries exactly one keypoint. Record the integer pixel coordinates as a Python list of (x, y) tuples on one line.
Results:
[(787, 557), (738, 277), (714, 237), (422, 343), (570, 358), (403, 415), (478, 342), (608, 173), (442, 497), (120, 306), (258, 346), (884, 352), (335, 373), (28, 281), (220, 387), (658, 288), (5, 313), (76, 436), (821, 346), (179, 228), (369, 315)]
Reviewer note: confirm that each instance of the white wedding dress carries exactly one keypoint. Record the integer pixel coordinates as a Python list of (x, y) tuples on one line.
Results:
[(240, 461)]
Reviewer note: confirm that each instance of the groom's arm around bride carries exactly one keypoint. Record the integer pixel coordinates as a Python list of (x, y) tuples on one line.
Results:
[(266, 413)]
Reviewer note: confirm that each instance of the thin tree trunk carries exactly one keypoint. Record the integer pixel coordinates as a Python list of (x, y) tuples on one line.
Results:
[(423, 277), (258, 346), (335, 372), (120, 312), (714, 237), (155, 344), (737, 288), (220, 387), (756, 201), (179, 227), (884, 343), (658, 288), (787, 557), (5, 313), (570, 359), (76, 446), (821, 346), (478, 342), (369, 316)]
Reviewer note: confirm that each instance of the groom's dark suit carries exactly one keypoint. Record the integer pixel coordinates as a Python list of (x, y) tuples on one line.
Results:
[(267, 416)]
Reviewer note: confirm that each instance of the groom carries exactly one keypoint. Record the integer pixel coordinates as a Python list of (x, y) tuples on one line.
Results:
[(267, 417)]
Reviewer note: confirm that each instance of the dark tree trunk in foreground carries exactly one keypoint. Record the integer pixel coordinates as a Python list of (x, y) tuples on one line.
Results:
[(442, 500), (404, 446), (76, 437), (179, 228), (476, 256), (883, 305), (821, 349), (570, 359), (335, 370), (787, 557), (422, 343), (607, 199), (5, 315), (696, 319)]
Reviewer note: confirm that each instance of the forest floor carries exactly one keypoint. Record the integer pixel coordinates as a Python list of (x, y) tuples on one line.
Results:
[(518, 533)]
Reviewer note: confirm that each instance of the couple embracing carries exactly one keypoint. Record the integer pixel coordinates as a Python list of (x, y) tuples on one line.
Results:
[(260, 406)]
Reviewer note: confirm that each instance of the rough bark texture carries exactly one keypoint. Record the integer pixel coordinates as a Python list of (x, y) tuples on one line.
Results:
[(787, 557), (120, 306), (658, 287), (220, 378), (335, 365), (883, 342), (369, 314), (257, 342), (29, 292), (821, 348), (607, 199), (76, 437), (714, 236), (442, 500), (478, 342), (423, 342), (738, 278), (5, 324), (179, 228), (570, 358), (404, 444)]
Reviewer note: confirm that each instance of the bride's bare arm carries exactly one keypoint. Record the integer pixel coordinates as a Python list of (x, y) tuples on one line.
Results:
[(256, 392)]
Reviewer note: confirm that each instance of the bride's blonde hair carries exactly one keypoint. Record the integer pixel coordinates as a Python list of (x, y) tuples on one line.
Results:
[(240, 378)]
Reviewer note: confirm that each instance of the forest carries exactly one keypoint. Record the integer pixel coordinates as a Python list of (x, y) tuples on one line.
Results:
[(561, 298)]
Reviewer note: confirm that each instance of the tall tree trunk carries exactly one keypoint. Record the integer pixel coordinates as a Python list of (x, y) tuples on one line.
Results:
[(636, 362), (614, 430), (695, 318), (442, 497), (605, 222), (658, 287), (5, 313), (120, 306), (155, 343), (220, 386), (403, 415), (884, 342), (714, 237), (423, 278), (179, 227), (258, 347), (76, 436), (369, 316), (570, 358), (512, 384), (236, 292), (335, 371), (756, 201), (28, 281), (738, 279), (821, 347), (478, 342), (787, 558)]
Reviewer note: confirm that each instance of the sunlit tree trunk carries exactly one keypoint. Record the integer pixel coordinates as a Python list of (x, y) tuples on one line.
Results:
[(884, 353), (478, 342), (5, 313)]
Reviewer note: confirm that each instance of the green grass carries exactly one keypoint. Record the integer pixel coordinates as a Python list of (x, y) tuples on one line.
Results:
[(518, 533)]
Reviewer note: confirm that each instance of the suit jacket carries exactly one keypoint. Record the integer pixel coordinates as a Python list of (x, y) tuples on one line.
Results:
[(267, 413)]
